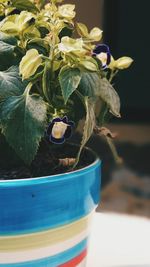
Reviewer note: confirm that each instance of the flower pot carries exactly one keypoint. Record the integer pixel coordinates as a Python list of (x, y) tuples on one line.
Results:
[(45, 222)]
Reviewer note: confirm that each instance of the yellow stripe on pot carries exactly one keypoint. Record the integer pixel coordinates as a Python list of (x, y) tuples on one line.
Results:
[(45, 238)]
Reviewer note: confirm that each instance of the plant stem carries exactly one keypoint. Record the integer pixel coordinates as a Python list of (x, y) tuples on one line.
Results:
[(28, 88), (112, 75), (113, 149)]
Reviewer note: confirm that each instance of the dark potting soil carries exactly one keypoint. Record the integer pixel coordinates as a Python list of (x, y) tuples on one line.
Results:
[(47, 163)]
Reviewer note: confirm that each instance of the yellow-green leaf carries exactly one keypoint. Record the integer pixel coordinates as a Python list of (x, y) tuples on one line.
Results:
[(67, 11), (30, 63), (95, 34), (31, 32), (69, 45), (57, 1), (89, 64), (23, 20), (9, 26), (57, 64), (82, 30), (25, 5), (15, 24)]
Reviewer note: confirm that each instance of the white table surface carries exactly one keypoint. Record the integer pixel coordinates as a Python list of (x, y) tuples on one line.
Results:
[(119, 241)]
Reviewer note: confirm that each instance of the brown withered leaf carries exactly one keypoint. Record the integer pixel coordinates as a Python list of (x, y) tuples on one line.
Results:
[(104, 131), (67, 162)]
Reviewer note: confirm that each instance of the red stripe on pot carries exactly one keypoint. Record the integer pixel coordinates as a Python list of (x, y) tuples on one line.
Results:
[(75, 261)]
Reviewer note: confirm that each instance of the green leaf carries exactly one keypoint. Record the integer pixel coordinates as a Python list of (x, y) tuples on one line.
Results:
[(108, 94), (90, 84), (89, 123), (23, 123), (69, 79), (8, 39), (93, 86), (46, 81), (101, 112), (24, 5), (40, 45), (7, 55), (10, 83), (6, 48), (66, 31)]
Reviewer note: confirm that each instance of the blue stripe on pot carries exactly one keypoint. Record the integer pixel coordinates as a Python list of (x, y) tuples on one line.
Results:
[(33, 205), (54, 260)]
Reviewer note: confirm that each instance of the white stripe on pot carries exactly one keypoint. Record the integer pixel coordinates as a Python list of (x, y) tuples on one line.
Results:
[(44, 252)]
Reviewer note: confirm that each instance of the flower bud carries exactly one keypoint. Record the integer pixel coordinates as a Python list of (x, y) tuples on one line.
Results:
[(121, 63)]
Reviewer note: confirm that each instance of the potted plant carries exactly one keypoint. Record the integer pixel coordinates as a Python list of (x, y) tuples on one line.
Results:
[(50, 81)]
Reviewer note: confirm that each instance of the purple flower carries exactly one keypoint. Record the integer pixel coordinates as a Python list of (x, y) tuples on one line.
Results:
[(102, 52), (59, 130)]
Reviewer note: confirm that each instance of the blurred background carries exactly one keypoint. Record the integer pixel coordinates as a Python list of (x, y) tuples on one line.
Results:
[(125, 188)]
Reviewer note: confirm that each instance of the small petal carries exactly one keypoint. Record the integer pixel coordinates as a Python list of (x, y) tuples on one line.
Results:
[(102, 52), (59, 130), (101, 48)]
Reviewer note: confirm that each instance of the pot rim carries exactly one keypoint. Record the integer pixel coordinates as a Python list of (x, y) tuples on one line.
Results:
[(55, 177)]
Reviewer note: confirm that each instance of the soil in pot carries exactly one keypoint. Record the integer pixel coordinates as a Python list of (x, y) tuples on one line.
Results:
[(45, 163)]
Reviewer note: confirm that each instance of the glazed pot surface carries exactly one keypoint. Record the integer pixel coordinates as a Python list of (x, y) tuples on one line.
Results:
[(45, 221)]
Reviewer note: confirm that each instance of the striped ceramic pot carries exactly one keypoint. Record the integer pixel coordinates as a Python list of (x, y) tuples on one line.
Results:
[(45, 222)]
